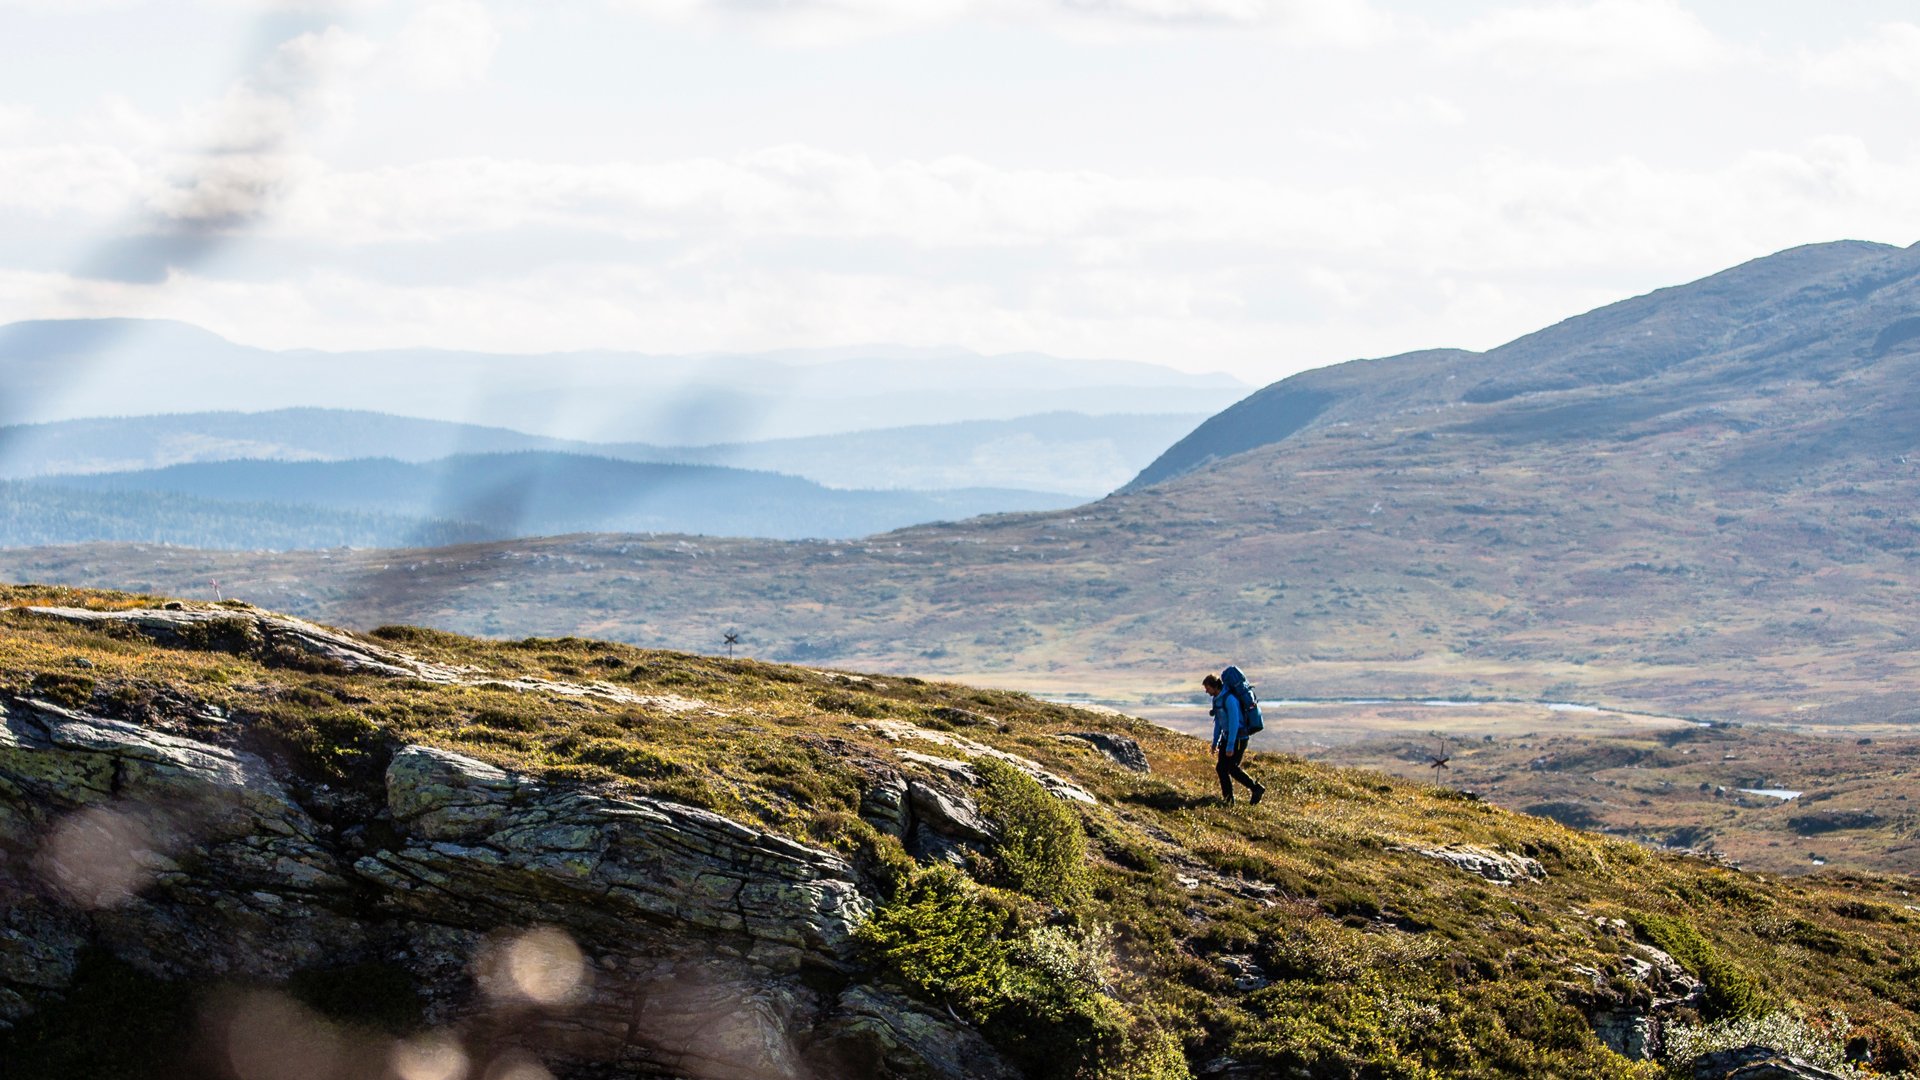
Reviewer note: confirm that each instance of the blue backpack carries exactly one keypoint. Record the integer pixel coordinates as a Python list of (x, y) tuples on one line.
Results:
[(1237, 685)]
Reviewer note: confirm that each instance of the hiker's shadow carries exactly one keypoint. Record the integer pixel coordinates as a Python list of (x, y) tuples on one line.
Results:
[(1169, 799)]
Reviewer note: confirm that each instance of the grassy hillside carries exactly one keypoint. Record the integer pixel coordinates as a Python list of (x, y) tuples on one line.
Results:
[(1149, 934)]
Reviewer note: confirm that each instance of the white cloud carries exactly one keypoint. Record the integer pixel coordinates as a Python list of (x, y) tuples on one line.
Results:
[(832, 21), (1208, 271), (1308, 210), (98, 181), (1889, 57), (445, 46), (1599, 41), (70, 7), (15, 120)]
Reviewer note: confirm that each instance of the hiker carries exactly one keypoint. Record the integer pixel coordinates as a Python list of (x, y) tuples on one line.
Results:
[(1231, 729)]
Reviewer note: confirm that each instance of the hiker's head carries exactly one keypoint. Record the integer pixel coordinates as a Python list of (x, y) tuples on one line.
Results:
[(1212, 683)]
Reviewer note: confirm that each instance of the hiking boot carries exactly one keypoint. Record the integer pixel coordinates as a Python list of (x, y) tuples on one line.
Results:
[(1258, 790)]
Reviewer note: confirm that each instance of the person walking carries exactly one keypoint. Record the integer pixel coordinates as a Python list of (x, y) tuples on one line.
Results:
[(1230, 734)]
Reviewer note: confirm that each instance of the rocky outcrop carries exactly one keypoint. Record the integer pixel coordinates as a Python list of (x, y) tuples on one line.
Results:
[(880, 1033), (1244, 970), (245, 631), (1630, 1005), (604, 936), (929, 812), (1499, 867), (187, 858), (949, 814), (486, 840), (1757, 1063), (1118, 749), (901, 731)]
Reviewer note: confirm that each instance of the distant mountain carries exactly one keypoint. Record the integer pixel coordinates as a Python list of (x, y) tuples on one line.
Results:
[(542, 494), (1698, 502), (120, 367), (34, 514), (1713, 338), (1056, 452)]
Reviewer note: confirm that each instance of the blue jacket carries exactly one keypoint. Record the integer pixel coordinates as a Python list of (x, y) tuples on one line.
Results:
[(1227, 725)]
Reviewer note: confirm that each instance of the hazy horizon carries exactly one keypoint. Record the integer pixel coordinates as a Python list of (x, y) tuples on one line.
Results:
[(1252, 186)]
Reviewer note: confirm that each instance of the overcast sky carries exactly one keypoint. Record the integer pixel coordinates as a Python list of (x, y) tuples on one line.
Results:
[(1257, 186)]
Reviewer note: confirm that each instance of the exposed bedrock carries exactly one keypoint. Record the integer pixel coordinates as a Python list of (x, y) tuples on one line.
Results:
[(607, 937)]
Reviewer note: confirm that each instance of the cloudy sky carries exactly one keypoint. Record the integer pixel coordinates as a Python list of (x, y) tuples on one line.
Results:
[(1257, 186)]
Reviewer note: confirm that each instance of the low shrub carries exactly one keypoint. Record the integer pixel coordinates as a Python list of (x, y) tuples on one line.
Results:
[(1035, 991), (1042, 849), (66, 691), (1784, 1032), (948, 945), (1731, 992)]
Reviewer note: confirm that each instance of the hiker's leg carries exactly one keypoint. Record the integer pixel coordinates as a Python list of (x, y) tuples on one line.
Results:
[(1225, 768), (1230, 767)]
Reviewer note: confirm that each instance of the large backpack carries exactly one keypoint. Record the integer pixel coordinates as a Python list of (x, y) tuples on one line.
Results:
[(1237, 685)]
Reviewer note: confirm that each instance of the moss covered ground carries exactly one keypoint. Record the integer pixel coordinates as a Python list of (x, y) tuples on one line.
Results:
[(1089, 941)]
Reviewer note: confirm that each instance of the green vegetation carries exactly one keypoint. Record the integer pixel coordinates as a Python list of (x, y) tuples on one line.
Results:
[(1138, 938), (1040, 991), (1731, 992), (1820, 1043), (1040, 850)]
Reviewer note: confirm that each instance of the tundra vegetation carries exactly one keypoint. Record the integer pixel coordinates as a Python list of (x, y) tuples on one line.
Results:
[(1353, 925)]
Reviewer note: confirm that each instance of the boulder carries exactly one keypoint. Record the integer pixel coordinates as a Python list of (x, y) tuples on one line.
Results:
[(883, 804), (951, 815), (481, 839), (1632, 1034), (1119, 749)]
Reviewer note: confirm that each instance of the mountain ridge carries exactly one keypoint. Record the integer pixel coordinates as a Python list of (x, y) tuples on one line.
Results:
[(535, 492), (73, 369), (1070, 453), (1585, 351)]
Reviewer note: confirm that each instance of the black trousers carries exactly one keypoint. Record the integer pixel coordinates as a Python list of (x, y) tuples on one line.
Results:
[(1230, 770)]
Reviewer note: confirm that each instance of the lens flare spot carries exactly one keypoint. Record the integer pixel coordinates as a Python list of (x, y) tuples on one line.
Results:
[(99, 857), (434, 1056), (540, 967), (272, 1037), (517, 1066)]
